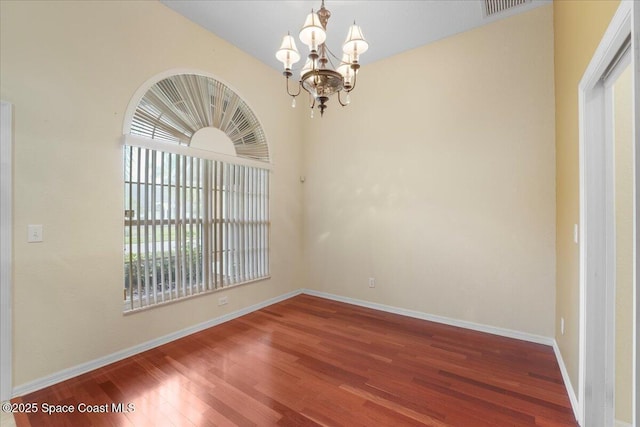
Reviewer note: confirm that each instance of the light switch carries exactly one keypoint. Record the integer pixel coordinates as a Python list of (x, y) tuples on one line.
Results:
[(34, 233), (575, 233)]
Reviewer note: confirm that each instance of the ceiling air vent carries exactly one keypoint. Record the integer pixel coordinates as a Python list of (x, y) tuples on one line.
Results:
[(494, 7)]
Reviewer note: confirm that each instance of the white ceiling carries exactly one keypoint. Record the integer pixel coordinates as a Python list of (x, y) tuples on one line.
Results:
[(390, 27)]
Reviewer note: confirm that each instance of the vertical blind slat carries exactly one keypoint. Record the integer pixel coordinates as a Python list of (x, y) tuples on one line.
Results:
[(183, 224), (206, 228), (190, 233), (197, 243), (163, 281), (130, 215), (152, 208), (138, 231), (147, 274), (170, 262), (227, 238), (178, 227), (219, 226), (236, 228), (216, 225)]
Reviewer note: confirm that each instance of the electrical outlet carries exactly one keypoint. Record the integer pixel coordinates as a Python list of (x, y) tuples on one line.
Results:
[(372, 282), (562, 325), (223, 300), (34, 233)]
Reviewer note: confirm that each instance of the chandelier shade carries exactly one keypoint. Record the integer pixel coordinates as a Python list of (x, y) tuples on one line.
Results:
[(288, 53), (312, 33), (319, 76), (355, 44)]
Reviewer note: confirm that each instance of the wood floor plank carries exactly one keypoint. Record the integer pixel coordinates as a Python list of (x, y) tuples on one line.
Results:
[(309, 361)]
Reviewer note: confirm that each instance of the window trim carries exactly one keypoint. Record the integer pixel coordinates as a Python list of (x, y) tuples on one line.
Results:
[(127, 310), (170, 147)]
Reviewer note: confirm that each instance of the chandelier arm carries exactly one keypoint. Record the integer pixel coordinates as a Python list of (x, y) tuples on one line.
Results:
[(334, 57), (340, 99), (289, 92), (355, 80)]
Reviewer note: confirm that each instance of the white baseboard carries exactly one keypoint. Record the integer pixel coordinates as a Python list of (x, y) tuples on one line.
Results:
[(66, 374), (509, 333), (577, 412), (622, 424)]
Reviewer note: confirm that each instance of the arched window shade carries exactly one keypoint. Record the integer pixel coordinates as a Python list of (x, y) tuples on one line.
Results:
[(175, 108)]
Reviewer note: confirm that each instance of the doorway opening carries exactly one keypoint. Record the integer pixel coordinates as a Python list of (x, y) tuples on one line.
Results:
[(597, 380)]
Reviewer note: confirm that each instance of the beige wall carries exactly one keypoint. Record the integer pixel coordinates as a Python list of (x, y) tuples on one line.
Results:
[(438, 180), (623, 132), (578, 28), (70, 69)]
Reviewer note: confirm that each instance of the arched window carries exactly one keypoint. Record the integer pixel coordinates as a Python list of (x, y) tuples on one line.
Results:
[(196, 181)]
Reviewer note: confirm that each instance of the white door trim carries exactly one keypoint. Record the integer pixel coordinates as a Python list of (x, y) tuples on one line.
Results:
[(597, 234), (635, 49), (6, 225)]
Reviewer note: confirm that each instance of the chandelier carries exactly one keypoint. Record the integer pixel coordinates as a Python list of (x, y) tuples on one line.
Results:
[(319, 77)]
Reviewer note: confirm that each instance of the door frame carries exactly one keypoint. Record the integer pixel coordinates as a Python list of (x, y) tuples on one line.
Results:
[(6, 227), (635, 58), (597, 231)]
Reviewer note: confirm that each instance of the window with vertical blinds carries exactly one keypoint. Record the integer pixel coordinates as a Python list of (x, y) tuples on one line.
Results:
[(192, 225)]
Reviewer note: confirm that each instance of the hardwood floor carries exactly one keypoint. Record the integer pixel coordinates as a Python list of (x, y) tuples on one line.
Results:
[(308, 361)]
